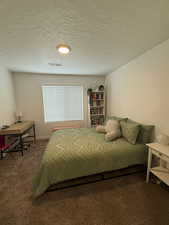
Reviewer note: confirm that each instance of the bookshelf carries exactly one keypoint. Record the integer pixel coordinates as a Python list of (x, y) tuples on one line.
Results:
[(96, 108)]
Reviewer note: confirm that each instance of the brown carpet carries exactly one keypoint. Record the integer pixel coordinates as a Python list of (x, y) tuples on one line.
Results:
[(120, 201)]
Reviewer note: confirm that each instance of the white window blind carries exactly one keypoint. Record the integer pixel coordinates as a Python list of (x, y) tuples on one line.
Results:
[(62, 103)]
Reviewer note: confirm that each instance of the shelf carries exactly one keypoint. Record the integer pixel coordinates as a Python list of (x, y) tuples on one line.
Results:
[(161, 173), (164, 149), (96, 114), (96, 106)]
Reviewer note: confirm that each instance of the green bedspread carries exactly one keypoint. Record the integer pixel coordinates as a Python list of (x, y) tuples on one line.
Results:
[(73, 153)]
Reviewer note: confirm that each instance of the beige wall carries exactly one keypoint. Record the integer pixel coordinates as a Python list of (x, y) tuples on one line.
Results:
[(140, 89), (29, 96), (7, 101)]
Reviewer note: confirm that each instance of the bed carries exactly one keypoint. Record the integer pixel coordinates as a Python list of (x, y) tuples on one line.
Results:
[(74, 153)]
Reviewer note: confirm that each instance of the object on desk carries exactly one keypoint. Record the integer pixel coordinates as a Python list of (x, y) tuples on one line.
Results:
[(4, 127), (19, 117)]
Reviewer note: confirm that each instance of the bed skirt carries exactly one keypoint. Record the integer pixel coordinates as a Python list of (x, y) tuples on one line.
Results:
[(98, 177)]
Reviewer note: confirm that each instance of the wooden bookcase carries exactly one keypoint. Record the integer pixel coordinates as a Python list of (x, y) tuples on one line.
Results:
[(96, 108)]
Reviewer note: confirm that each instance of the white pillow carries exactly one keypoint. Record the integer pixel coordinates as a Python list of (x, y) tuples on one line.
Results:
[(112, 125), (100, 129), (113, 135), (113, 130)]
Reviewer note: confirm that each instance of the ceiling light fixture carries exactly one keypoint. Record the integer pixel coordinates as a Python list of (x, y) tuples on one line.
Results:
[(63, 49)]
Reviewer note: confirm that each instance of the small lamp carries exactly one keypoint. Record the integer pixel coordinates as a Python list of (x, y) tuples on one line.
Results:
[(19, 117)]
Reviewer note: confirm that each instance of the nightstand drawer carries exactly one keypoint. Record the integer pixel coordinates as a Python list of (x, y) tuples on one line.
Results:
[(160, 155)]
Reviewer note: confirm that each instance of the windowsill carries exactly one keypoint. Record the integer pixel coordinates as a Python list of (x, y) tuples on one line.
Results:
[(61, 122)]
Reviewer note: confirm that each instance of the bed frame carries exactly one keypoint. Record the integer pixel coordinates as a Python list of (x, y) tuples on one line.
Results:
[(98, 177)]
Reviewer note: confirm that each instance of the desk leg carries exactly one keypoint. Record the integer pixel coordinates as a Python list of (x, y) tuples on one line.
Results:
[(21, 143), (34, 134)]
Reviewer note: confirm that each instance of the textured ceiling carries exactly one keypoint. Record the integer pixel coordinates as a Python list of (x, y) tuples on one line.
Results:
[(103, 35)]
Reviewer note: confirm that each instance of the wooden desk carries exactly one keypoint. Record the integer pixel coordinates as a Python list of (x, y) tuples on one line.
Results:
[(18, 129)]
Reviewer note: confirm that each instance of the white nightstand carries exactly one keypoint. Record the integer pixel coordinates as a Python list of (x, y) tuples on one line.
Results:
[(162, 152)]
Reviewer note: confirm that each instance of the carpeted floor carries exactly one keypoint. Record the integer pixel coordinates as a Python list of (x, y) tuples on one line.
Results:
[(120, 201)]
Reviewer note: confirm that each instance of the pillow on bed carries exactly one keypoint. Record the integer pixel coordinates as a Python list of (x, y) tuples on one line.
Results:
[(113, 135), (100, 129), (113, 130), (112, 125), (114, 118), (130, 131), (145, 133)]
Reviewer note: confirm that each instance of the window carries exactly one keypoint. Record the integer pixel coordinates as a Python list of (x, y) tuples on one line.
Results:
[(62, 103)]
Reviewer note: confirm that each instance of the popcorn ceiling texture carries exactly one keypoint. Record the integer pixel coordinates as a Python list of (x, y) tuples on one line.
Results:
[(103, 34)]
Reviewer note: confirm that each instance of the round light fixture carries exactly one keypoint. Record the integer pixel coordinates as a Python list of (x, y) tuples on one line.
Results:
[(63, 49)]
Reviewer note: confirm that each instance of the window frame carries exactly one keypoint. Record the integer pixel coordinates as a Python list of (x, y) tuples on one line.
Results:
[(62, 121)]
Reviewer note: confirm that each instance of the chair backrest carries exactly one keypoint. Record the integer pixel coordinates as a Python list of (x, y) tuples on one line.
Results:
[(2, 141)]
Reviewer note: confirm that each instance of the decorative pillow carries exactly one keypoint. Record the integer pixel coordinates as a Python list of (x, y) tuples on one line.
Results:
[(112, 125), (114, 118), (145, 134), (112, 135), (130, 131), (132, 121), (100, 129)]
